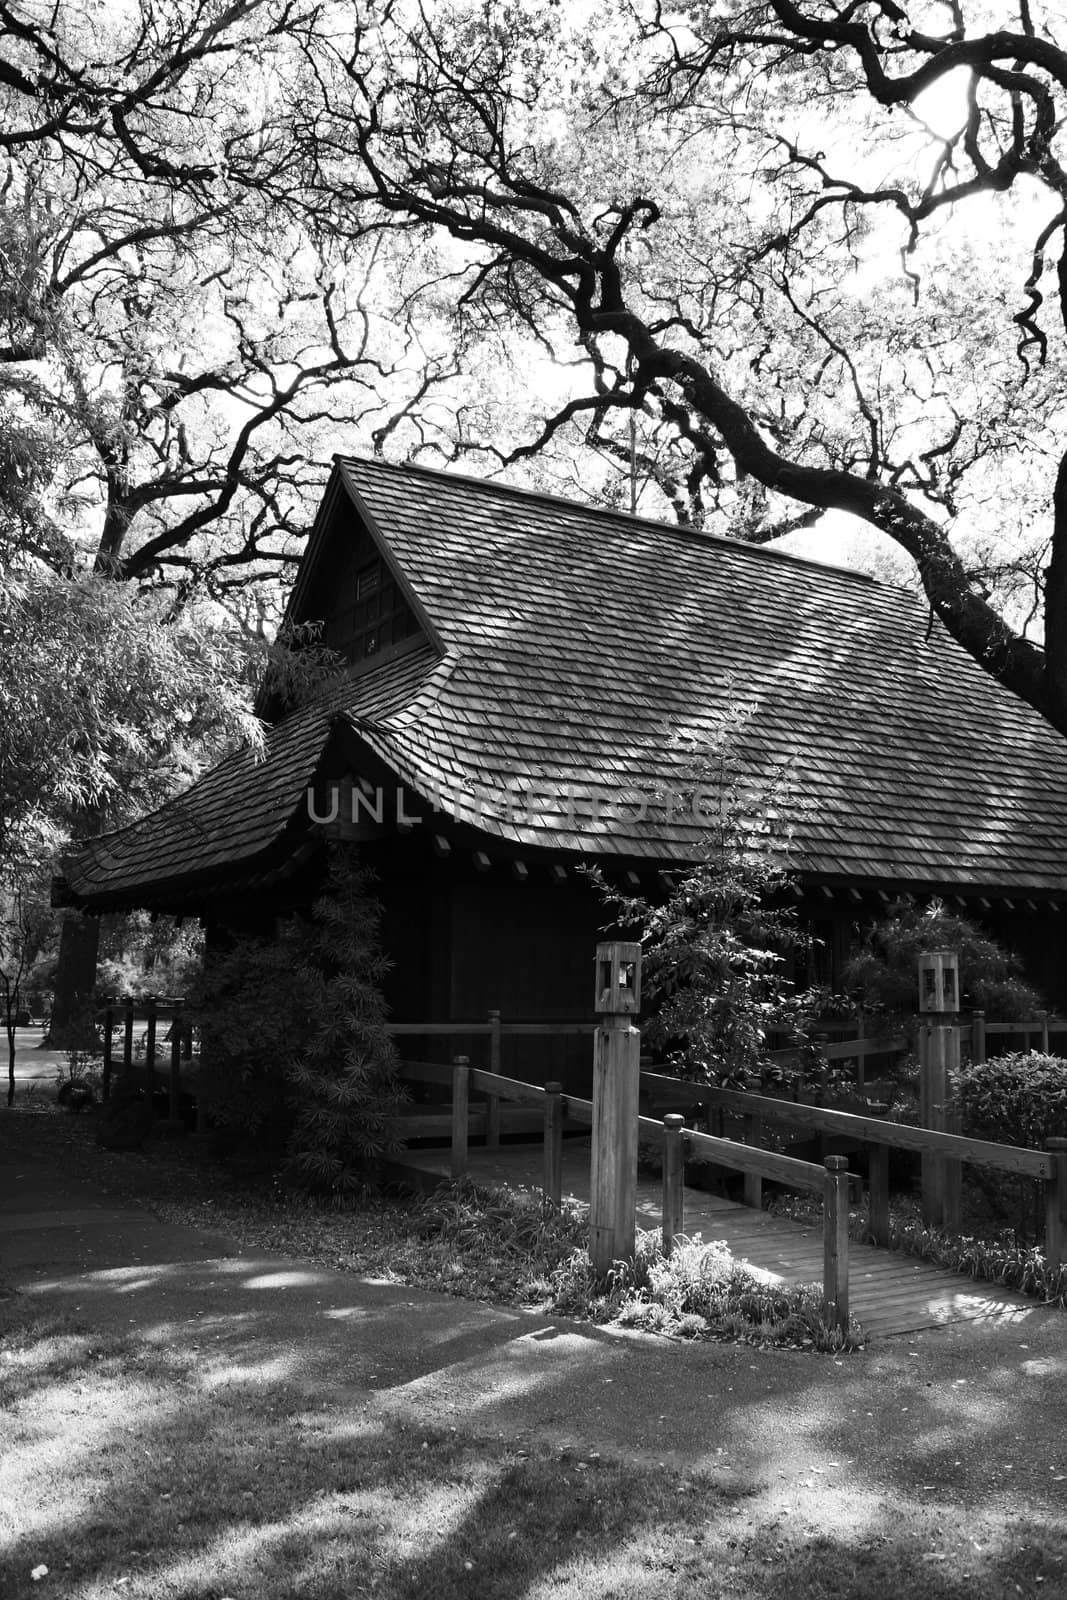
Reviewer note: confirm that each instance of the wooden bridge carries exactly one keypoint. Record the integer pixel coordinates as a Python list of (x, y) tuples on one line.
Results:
[(888, 1291)]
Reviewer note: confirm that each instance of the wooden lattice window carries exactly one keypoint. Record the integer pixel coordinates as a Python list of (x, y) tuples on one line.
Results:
[(371, 613)]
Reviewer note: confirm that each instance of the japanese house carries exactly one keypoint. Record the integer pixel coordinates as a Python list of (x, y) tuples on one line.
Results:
[(529, 684)]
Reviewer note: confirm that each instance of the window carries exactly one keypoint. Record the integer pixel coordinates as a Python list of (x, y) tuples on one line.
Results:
[(370, 613)]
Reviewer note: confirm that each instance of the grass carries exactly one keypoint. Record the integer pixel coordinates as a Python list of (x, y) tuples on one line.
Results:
[(174, 1467), (492, 1245), (154, 1474)]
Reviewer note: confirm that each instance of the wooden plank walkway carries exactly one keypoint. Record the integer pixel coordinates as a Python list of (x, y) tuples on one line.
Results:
[(891, 1293)]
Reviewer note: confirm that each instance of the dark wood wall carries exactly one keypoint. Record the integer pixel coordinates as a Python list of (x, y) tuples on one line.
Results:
[(465, 942)]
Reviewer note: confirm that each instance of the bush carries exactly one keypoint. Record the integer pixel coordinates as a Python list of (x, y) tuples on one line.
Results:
[(125, 1122), (344, 1076), (882, 976), (297, 1065), (251, 1013), (1019, 1098)]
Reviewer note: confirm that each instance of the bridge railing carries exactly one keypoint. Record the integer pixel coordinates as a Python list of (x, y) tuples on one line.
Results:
[(1048, 1166), (830, 1180)]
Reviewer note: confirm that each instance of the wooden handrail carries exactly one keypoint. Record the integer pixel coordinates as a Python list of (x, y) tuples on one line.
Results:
[(806, 1175), (1053, 1024), (876, 1130), (426, 1072), (831, 1180), (512, 1030)]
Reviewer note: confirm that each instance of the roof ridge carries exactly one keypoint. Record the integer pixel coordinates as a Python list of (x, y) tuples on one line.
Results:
[(626, 518)]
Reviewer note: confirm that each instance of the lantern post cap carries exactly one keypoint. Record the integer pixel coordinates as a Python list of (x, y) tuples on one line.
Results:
[(618, 977)]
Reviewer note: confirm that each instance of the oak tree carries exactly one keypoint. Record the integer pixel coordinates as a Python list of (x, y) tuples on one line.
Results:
[(742, 230)]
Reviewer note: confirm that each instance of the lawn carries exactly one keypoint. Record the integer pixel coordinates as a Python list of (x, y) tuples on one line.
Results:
[(138, 1471), (162, 1469)]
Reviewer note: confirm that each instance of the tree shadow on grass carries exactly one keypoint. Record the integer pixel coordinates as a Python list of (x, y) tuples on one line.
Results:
[(193, 1475)]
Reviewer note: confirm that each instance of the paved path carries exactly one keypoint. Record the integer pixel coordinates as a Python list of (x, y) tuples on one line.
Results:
[(891, 1293)]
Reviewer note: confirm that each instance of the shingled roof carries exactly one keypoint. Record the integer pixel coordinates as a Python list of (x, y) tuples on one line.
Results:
[(587, 652)]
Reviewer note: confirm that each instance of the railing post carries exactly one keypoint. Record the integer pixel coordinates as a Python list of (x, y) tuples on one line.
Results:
[(492, 1114), (461, 1086), (175, 1064), (878, 1192), (150, 1049), (127, 1039), (1043, 1018), (978, 1037), (1056, 1204), (835, 1242), (553, 1174), (951, 1166), (938, 1059), (673, 1170), (753, 1191), (109, 1022)]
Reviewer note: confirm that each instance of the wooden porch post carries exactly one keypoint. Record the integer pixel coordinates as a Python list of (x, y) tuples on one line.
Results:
[(553, 1153), (492, 1110), (461, 1078)]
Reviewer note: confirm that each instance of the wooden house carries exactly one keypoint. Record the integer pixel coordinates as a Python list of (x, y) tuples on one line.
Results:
[(528, 680)]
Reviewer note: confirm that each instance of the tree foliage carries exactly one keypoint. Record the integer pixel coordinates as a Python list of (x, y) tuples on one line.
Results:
[(106, 701), (883, 973), (343, 1076), (24, 924), (739, 233), (176, 310), (719, 951)]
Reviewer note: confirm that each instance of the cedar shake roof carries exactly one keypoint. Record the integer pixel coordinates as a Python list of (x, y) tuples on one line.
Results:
[(248, 813), (573, 648)]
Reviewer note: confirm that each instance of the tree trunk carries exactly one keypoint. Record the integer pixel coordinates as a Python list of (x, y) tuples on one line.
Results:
[(75, 981), (10, 1029)]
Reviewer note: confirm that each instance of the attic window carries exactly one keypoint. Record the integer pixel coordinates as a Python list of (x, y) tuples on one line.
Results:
[(370, 613)]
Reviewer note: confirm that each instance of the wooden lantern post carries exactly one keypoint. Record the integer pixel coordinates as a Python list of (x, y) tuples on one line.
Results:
[(939, 1058), (616, 1081)]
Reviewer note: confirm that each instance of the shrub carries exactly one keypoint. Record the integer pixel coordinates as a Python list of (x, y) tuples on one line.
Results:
[(296, 1060), (700, 1291), (344, 1076), (1019, 1098), (251, 1013), (883, 973)]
